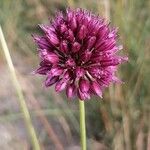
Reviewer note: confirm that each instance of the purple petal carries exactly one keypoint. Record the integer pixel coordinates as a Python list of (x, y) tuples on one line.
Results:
[(79, 72), (70, 62), (71, 35), (83, 95), (84, 85), (42, 42), (76, 47), (86, 55), (70, 15), (67, 75), (50, 81), (64, 46), (63, 28), (116, 80), (55, 71), (43, 63), (91, 42), (44, 28), (53, 39), (73, 24), (96, 88), (43, 70), (60, 85), (71, 91), (49, 56), (82, 33)]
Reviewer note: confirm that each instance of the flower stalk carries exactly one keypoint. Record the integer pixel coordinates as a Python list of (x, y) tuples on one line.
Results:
[(82, 125)]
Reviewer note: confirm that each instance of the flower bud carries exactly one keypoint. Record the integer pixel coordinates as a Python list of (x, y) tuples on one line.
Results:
[(43, 53), (76, 47), (83, 95), (69, 15), (96, 88), (86, 55), (79, 72), (51, 57), (71, 91), (84, 85), (60, 85), (53, 39), (63, 28), (64, 46), (82, 32), (42, 70), (41, 42), (55, 71), (51, 80), (73, 24), (70, 35), (91, 42), (70, 62), (44, 28), (43, 63), (117, 80), (67, 75)]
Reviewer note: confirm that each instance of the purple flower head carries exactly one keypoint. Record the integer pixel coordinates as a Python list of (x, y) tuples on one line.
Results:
[(78, 52)]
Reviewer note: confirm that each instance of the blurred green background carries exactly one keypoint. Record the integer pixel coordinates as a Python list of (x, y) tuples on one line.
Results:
[(120, 121)]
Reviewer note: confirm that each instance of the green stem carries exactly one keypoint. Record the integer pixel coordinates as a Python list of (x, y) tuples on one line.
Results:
[(82, 125), (21, 99)]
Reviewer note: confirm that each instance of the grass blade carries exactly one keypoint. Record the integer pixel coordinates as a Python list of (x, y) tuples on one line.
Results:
[(21, 99)]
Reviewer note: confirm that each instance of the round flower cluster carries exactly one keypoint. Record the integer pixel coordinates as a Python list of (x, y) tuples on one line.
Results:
[(78, 52)]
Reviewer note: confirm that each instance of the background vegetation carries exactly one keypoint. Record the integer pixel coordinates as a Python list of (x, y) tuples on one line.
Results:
[(120, 121)]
